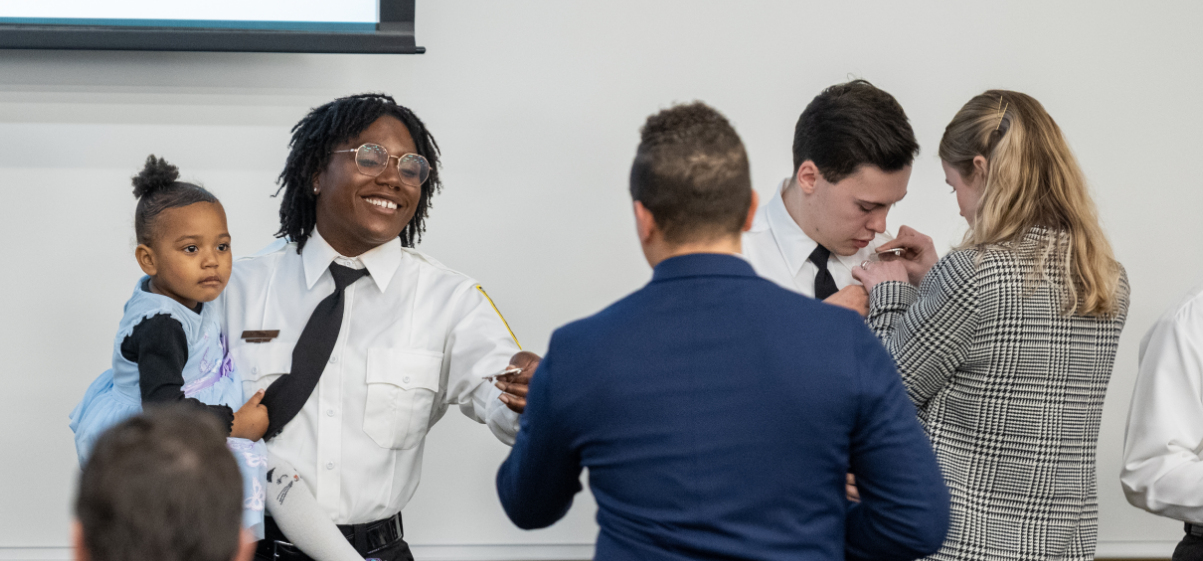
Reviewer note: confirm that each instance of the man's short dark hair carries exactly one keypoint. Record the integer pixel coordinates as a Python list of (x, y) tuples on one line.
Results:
[(161, 486), (850, 125), (691, 172)]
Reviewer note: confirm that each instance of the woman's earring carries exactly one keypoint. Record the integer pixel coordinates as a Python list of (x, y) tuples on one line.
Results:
[(315, 189)]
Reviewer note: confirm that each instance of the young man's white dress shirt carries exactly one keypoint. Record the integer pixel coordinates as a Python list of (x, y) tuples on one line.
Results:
[(1163, 470), (415, 337), (779, 250)]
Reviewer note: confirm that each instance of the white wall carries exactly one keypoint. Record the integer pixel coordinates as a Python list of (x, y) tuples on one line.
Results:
[(537, 107)]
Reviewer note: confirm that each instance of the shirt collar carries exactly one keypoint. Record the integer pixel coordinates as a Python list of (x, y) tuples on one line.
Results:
[(381, 261), (795, 245), (702, 264)]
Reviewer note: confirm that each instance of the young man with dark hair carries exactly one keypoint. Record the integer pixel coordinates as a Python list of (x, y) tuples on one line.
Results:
[(853, 149), (161, 486), (717, 412)]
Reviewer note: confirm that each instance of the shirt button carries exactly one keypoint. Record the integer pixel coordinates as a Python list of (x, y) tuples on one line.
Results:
[(329, 412), (333, 359), (255, 370), (329, 465), (405, 380)]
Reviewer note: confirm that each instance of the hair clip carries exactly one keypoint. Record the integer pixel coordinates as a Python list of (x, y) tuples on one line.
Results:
[(1002, 112)]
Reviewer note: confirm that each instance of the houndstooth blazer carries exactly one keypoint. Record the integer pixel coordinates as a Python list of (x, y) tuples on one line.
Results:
[(1010, 392)]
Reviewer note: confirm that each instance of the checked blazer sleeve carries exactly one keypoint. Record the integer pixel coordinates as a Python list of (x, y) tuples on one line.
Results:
[(929, 331)]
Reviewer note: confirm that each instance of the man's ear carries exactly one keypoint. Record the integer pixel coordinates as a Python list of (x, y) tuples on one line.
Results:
[(246, 546), (146, 259), (78, 548), (645, 223), (751, 212), (808, 174)]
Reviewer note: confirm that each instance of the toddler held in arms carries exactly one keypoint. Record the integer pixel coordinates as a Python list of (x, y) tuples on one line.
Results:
[(169, 346)]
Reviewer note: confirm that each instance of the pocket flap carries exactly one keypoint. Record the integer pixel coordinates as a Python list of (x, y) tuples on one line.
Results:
[(256, 360), (406, 369)]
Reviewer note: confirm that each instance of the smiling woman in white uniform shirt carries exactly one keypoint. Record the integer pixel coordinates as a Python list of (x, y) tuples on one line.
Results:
[(407, 342)]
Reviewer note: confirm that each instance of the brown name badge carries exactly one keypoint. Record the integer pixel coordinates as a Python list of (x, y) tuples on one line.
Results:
[(260, 336)]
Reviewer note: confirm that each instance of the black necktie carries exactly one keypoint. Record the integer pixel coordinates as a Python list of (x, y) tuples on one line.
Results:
[(285, 397), (824, 284)]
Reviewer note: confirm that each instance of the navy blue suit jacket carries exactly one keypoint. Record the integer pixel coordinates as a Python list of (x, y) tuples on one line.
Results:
[(718, 414)]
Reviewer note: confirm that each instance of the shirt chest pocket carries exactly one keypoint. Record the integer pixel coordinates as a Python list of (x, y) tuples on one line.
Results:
[(260, 364), (402, 387)]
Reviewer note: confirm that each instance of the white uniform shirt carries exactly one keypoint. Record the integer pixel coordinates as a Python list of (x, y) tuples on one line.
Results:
[(1163, 470), (778, 250), (415, 338)]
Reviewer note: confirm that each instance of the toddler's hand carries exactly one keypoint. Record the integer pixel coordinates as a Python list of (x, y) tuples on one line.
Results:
[(250, 421)]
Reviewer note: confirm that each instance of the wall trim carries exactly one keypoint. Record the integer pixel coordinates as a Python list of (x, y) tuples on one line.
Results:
[(573, 552), (1151, 549), (507, 552)]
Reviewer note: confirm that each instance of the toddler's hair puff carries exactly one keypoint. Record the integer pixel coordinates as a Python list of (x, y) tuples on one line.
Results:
[(158, 188), (155, 175)]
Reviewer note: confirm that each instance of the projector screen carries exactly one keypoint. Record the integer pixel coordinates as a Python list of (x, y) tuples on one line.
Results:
[(336, 26)]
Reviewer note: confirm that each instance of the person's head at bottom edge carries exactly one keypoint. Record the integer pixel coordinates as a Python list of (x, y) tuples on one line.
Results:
[(161, 486)]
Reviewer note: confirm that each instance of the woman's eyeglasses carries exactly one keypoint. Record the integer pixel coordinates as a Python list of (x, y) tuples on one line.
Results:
[(371, 159)]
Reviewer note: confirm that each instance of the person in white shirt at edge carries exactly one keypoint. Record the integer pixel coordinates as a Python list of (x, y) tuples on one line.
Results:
[(348, 427), (1163, 470), (853, 149)]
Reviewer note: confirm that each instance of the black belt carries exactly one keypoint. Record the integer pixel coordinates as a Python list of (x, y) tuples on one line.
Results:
[(366, 538), (1194, 529)]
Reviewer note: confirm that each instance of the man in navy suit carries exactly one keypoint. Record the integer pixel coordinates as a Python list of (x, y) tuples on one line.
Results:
[(717, 412)]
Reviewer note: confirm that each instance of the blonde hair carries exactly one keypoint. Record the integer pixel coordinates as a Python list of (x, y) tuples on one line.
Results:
[(1033, 180)]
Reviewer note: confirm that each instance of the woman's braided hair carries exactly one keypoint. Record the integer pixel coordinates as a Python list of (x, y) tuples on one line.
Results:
[(324, 129)]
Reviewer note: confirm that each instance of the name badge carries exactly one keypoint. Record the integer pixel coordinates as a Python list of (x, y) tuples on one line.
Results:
[(260, 336)]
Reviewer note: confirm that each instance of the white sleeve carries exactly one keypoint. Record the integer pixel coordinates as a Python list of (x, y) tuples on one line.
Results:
[(300, 518), (1162, 469), (480, 344)]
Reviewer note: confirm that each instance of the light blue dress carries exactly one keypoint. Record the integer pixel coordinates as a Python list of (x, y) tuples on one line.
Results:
[(209, 376)]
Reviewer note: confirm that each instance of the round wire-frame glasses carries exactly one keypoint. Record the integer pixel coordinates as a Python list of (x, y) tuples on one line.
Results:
[(371, 160)]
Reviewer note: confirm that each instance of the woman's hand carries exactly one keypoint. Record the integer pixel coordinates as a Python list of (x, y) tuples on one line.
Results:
[(852, 297), (871, 274), (850, 490), (250, 420), (516, 385), (919, 254)]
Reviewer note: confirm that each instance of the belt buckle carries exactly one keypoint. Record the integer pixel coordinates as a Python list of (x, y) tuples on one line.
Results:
[(290, 552), (396, 520), (384, 534)]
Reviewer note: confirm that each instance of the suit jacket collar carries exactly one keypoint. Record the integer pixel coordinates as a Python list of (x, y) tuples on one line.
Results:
[(702, 265)]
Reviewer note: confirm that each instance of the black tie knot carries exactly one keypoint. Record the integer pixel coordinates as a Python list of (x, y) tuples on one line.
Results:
[(819, 257), (824, 282), (344, 276)]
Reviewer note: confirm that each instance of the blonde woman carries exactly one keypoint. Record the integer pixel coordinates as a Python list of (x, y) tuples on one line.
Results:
[(1007, 344)]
